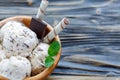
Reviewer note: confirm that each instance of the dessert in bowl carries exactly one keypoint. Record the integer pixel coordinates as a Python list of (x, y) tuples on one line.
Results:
[(27, 21), (30, 48)]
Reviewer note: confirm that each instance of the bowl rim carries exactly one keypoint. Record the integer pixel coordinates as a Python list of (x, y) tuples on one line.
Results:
[(47, 71)]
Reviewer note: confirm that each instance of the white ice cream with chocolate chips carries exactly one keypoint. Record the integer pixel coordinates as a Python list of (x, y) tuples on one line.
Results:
[(2, 54), (15, 68), (21, 53), (18, 39), (9, 26), (37, 58)]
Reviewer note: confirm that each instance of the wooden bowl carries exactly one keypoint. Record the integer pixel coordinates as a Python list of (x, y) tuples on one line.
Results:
[(26, 20)]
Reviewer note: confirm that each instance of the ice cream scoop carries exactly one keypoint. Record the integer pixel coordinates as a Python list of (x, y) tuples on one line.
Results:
[(7, 27), (26, 20), (37, 58), (18, 39), (15, 68)]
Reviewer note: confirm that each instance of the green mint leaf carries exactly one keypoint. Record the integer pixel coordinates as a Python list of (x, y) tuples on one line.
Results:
[(54, 48), (49, 61)]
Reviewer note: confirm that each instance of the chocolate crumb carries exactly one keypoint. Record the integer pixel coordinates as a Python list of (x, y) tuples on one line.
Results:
[(26, 45)]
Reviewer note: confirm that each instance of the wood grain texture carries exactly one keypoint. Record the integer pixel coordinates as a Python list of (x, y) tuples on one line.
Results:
[(15, 2), (81, 78)]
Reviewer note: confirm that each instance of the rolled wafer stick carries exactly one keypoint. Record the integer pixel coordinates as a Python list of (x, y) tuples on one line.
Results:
[(37, 25), (50, 36), (30, 2), (42, 9)]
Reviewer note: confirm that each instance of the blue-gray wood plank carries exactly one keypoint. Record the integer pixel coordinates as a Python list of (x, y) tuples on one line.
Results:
[(91, 43)]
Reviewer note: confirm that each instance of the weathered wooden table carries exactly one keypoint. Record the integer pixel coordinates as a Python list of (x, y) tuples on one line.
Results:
[(90, 44)]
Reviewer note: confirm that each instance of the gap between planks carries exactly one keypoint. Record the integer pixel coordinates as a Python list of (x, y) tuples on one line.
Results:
[(82, 78)]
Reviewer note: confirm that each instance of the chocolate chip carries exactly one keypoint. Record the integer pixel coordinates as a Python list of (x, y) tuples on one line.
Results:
[(40, 49), (10, 73), (19, 53), (17, 45), (25, 31), (27, 74), (12, 40), (26, 45), (11, 50)]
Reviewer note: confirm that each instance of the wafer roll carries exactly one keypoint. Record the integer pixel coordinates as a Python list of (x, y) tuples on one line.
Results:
[(42, 9), (50, 36), (37, 25), (30, 2)]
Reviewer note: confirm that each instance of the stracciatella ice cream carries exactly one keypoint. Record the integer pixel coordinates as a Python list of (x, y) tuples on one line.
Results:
[(37, 58), (2, 54), (9, 26), (15, 68), (17, 39), (22, 54)]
